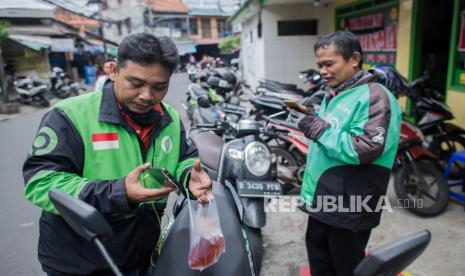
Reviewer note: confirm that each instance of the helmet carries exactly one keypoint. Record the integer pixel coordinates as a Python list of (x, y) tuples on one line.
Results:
[(391, 79)]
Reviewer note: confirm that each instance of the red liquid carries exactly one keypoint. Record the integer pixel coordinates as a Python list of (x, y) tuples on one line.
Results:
[(206, 252)]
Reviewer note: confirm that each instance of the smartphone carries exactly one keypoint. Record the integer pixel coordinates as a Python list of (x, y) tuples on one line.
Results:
[(295, 105), (156, 178)]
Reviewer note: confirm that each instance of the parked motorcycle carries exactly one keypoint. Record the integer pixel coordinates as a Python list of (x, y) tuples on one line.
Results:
[(430, 114), (389, 259), (289, 150), (418, 181), (433, 118), (241, 165), (30, 91), (218, 87), (271, 103), (206, 112), (191, 71), (61, 85)]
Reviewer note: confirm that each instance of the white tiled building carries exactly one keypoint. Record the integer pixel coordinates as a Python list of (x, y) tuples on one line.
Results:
[(289, 28)]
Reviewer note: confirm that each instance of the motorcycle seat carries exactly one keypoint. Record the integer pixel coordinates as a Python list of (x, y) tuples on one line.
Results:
[(285, 90), (273, 83), (209, 146), (198, 91), (272, 100), (258, 103)]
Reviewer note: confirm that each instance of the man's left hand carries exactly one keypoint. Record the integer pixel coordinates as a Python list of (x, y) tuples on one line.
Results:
[(200, 183), (311, 125)]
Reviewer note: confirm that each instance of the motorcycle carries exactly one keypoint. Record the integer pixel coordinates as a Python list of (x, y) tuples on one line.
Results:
[(389, 259), (218, 87), (418, 179), (240, 162), (271, 103), (61, 85), (429, 113), (433, 118), (191, 71), (207, 112), (290, 150), (30, 91)]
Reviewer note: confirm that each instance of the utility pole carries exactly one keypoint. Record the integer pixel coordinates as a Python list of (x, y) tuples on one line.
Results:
[(101, 21)]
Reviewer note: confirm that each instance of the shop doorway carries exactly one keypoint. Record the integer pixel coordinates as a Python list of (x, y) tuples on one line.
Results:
[(432, 40)]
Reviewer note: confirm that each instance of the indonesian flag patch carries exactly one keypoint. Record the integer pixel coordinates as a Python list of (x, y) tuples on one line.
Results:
[(103, 141)]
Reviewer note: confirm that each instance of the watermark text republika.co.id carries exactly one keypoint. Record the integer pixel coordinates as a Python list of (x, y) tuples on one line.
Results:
[(341, 204)]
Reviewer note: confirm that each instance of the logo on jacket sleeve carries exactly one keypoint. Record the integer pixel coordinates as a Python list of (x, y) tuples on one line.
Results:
[(104, 141), (166, 144), (45, 142), (379, 138)]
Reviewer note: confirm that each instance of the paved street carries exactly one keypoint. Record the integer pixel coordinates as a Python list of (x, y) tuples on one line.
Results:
[(284, 233)]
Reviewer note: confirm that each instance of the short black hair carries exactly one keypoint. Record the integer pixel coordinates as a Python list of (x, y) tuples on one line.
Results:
[(108, 60), (345, 43), (146, 49)]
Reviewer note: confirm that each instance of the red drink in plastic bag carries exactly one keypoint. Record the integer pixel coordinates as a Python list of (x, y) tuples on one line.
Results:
[(206, 252), (206, 237)]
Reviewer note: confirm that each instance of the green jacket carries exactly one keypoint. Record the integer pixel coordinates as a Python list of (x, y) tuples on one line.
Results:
[(353, 154), (86, 149)]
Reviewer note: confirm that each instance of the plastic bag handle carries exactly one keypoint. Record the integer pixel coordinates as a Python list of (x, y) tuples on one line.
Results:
[(191, 220)]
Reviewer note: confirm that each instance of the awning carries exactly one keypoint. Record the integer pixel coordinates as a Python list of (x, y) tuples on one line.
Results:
[(34, 42), (186, 49)]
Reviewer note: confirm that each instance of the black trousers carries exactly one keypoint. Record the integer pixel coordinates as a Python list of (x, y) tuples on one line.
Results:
[(332, 250)]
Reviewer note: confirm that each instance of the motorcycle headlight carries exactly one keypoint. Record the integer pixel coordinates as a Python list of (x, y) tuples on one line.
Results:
[(257, 158)]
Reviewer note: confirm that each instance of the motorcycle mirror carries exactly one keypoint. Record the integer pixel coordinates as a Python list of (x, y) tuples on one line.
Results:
[(83, 218), (204, 102), (392, 258)]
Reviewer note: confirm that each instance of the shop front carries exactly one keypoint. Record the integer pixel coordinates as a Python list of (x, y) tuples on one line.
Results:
[(415, 36)]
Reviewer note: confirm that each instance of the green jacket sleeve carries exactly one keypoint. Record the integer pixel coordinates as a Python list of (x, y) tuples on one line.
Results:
[(187, 156)]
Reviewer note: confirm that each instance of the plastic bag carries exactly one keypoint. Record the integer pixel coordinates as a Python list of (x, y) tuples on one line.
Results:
[(206, 236)]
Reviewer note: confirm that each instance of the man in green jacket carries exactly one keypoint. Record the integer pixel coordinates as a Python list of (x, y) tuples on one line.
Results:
[(96, 146), (353, 144)]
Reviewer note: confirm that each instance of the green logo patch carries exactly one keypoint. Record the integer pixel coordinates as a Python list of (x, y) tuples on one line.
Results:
[(45, 142), (166, 144)]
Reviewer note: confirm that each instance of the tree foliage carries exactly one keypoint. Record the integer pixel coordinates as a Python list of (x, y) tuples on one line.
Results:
[(230, 44), (4, 29)]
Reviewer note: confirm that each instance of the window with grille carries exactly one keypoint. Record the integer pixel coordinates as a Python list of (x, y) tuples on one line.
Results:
[(206, 29), (193, 26)]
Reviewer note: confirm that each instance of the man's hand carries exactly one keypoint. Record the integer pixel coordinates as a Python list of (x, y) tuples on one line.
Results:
[(136, 193), (312, 125), (200, 183)]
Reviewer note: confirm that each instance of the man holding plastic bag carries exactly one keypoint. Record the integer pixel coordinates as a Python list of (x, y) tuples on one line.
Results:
[(93, 147)]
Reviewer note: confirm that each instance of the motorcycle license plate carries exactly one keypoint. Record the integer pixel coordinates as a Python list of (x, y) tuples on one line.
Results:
[(254, 188)]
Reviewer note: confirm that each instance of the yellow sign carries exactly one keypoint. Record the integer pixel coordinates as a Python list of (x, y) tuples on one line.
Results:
[(462, 78)]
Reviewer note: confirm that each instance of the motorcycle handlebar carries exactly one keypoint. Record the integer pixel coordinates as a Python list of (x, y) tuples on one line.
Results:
[(270, 131), (205, 126)]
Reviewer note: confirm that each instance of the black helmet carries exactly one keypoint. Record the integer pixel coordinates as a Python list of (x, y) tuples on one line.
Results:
[(391, 79)]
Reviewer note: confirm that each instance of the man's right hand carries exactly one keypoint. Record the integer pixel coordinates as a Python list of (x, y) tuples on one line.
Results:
[(136, 193)]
